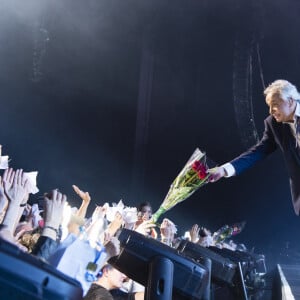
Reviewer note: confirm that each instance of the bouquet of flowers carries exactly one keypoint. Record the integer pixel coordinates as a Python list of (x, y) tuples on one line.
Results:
[(192, 176), (226, 232)]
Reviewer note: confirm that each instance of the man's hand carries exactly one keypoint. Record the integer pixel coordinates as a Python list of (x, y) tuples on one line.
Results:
[(216, 174)]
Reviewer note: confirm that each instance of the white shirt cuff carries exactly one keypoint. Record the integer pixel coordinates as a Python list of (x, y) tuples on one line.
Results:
[(229, 169)]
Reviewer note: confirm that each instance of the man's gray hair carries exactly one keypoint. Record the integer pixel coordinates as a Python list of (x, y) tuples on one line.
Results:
[(284, 89)]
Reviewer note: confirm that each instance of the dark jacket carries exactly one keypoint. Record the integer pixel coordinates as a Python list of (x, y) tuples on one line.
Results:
[(276, 135), (97, 292)]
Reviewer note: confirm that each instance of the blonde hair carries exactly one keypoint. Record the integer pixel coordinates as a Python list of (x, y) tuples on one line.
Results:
[(284, 89), (29, 240)]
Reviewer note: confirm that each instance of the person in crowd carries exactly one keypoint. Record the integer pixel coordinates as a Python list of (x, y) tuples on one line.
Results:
[(49, 240), (281, 131), (144, 215), (81, 256), (107, 279), (143, 225), (201, 235), (89, 243), (144, 212)]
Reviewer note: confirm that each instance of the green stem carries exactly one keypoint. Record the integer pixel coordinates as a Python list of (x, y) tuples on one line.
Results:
[(158, 213)]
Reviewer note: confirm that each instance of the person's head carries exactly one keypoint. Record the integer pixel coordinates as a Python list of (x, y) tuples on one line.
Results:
[(281, 97), (145, 211), (110, 277)]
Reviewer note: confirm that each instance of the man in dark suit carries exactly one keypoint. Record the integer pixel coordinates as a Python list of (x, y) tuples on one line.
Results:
[(282, 131)]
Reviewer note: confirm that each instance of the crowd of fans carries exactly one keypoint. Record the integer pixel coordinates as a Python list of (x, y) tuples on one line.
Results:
[(76, 245)]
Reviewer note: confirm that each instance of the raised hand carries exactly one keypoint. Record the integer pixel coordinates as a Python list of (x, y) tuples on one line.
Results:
[(85, 196), (53, 208), (15, 189), (99, 213), (15, 186), (8, 178), (86, 199), (115, 224), (194, 233), (3, 199), (145, 227), (97, 226)]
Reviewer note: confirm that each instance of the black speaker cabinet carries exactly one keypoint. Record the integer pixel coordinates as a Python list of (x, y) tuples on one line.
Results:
[(190, 278), (24, 277), (222, 269)]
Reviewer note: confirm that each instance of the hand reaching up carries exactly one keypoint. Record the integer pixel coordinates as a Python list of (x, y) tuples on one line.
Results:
[(15, 186), (85, 196), (3, 200), (98, 214), (145, 227), (53, 208), (194, 233), (15, 189), (115, 224)]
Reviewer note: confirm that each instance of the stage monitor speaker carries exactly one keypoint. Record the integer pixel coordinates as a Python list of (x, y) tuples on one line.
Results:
[(137, 254), (23, 276), (222, 269), (249, 261)]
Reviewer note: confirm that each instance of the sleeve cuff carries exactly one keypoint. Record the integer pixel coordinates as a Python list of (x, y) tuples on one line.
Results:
[(229, 169)]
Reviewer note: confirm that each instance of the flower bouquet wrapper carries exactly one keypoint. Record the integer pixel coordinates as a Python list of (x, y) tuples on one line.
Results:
[(228, 231), (193, 175)]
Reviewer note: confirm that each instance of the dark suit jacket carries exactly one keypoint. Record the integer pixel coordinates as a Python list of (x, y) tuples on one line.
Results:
[(276, 135)]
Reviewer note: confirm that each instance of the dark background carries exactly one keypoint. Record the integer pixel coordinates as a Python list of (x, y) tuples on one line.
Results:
[(115, 95)]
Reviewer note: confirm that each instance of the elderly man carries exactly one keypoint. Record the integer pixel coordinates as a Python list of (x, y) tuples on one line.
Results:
[(282, 130)]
